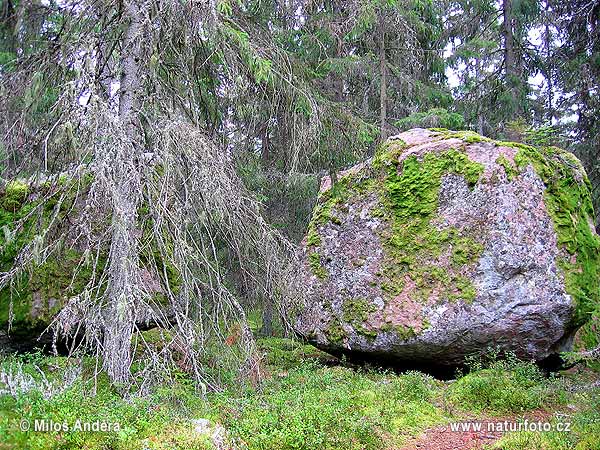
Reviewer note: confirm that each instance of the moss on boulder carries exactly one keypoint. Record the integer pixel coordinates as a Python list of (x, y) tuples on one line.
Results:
[(464, 243), (40, 289)]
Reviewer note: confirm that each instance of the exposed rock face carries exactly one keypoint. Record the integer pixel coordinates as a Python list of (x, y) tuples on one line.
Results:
[(446, 244)]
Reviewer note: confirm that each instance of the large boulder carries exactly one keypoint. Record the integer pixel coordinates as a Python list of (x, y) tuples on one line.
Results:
[(33, 292), (446, 244)]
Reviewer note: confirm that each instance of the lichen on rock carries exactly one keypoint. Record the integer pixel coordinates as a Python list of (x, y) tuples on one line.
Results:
[(446, 243)]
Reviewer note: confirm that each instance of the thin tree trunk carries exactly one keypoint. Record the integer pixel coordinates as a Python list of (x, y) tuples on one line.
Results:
[(550, 87), (266, 328), (265, 148), (513, 72), (123, 264), (383, 84)]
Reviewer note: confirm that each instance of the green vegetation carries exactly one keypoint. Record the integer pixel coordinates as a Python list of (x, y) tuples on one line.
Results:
[(335, 332), (355, 312), (410, 192), (468, 136), (506, 386), (63, 273), (15, 193), (314, 262), (436, 117), (39, 292), (409, 195), (583, 434), (303, 402), (346, 188), (568, 201), (510, 170)]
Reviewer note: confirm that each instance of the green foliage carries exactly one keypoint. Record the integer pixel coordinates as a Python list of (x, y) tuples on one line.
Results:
[(434, 118), (258, 66), (310, 406), (225, 8), (156, 422), (583, 434), (286, 354), (15, 193), (303, 403), (507, 386), (288, 199), (7, 61)]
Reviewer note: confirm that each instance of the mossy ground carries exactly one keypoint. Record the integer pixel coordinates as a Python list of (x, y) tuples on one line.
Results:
[(305, 402)]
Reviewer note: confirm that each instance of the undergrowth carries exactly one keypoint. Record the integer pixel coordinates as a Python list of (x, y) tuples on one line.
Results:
[(307, 400)]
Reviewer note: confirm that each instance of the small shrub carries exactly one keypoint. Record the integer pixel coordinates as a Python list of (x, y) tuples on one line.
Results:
[(434, 118), (505, 387)]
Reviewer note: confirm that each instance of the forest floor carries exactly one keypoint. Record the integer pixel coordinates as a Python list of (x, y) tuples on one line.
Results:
[(306, 400)]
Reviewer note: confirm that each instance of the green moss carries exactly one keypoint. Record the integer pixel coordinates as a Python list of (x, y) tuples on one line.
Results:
[(348, 187), (39, 293), (517, 145), (569, 204), (415, 248), (356, 312), (314, 262), (403, 332), (410, 193), (151, 255), (510, 170), (334, 332), (388, 153), (15, 193), (313, 239), (465, 251), (465, 290), (322, 213)]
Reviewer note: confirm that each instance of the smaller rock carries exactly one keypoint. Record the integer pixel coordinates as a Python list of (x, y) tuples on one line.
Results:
[(216, 433)]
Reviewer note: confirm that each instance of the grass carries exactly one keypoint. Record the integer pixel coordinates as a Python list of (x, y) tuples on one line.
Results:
[(506, 386), (583, 434), (305, 402)]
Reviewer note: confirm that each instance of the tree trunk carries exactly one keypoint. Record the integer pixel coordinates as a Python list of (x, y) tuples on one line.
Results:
[(511, 60), (265, 148), (8, 19), (383, 82), (123, 263), (548, 74), (266, 328)]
